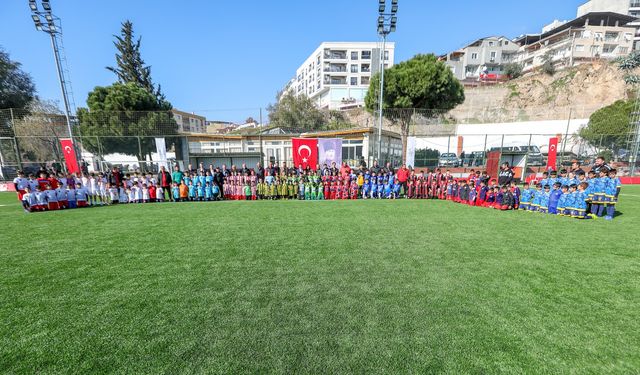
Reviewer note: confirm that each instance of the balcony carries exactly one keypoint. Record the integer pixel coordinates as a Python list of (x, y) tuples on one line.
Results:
[(335, 80), (336, 68), (335, 55), (634, 4)]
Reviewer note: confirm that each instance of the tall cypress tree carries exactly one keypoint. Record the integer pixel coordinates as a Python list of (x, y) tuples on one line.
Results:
[(130, 67)]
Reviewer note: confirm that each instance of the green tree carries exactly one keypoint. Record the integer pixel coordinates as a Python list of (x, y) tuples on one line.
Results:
[(547, 64), (124, 118), (16, 87), (293, 111), (130, 67), (513, 70), (609, 127), (422, 82), (628, 64)]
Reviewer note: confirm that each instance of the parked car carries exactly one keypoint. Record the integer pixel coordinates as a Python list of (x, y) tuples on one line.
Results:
[(533, 154), (449, 160)]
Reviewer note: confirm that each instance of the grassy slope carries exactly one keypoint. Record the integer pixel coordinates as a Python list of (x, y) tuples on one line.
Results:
[(375, 286)]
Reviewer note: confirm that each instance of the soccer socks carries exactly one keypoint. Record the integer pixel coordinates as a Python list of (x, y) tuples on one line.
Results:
[(611, 210)]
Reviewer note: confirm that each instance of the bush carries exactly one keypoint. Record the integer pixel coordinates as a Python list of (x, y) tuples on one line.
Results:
[(513, 70)]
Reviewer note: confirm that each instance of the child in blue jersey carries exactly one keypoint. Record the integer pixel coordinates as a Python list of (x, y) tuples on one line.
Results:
[(580, 202), (208, 191), (545, 179), (192, 190), (525, 197), (554, 197), (380, 188), (202, 179), (200, 191), (611, 193), (517, 194), (208, 178), (186, 179), (535, 198), (563, 200), (215, 192), (599, 187), (387, 189), (563, 179), (396, 188), (175, 191), (544, 200), (553, 178), (366, 189)]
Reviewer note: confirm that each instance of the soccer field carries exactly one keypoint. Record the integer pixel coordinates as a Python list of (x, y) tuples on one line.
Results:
[(318, 287)]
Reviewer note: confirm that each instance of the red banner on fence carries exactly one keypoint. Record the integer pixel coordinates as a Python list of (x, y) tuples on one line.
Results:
[(69, 156), (305, 152), (553, 154)]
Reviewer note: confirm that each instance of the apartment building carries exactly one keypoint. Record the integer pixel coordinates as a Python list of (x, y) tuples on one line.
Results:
[(628, 7), (189, 122), (481, 59), (601, 35), (337, 74)]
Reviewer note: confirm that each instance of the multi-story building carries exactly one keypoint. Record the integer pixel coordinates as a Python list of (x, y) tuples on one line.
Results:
[(337, 74), (628, 7), (595, 35), (483, 58), (189, 122)]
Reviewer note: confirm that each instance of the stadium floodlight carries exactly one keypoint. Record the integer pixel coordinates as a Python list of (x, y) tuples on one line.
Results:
[(46, 5), (35, 18), (394, 9), (33, 5), (387, 23), (49, 18), (394, 20)]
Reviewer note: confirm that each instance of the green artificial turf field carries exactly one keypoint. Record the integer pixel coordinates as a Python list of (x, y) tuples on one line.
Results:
[(318, 287)]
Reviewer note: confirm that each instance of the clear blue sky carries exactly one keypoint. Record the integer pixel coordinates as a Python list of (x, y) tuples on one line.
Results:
[(226, 59)]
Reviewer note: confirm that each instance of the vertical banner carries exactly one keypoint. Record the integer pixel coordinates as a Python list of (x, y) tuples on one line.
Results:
[(552, 157), (305, 152), (411, 152), (329, 151), (493, 163), (70, 158), (161, 149)]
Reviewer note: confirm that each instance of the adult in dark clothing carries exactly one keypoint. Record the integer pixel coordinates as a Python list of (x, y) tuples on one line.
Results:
[(115, 177), (362, 163), (259, 171), (600, 165), (575, 167), (325, 170), (164, 180), (505, 176), (390, 169), (244, 169), (375, 168)]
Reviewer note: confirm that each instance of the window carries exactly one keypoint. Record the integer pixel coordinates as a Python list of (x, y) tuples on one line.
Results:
[(354, 81), (365, 68), (364, 80), (386, 55), (579, 48), (354, 68), (366, 55), (354, 55), (608, 48), (491, 44), (623, 50), (493, 55), (474, 56)]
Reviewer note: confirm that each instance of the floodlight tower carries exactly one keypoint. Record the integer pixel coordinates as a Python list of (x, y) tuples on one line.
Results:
[(47, 22), (386, 25)]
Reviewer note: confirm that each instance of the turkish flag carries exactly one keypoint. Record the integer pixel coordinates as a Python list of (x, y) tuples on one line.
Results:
[(305, 152), (553, 154), (69, 156)]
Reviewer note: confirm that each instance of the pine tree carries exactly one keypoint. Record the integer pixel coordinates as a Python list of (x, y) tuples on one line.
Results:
[(130, 65)]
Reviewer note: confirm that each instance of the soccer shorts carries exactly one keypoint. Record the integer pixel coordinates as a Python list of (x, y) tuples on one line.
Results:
[(543, 210), (82, 203), (53, 206), (524, 206), (21, 194)]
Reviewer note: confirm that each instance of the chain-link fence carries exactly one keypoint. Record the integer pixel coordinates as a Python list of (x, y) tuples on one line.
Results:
[(437, 138)]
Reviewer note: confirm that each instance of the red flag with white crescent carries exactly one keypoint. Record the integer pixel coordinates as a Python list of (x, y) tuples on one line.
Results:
[(305, 152), (69, 156), (553, 154)]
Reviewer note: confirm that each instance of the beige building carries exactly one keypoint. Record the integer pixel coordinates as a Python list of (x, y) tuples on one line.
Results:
[(596, 35), (189, 122)]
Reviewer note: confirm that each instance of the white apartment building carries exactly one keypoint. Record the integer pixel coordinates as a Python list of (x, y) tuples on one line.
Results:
[(337, 74), (595, 35), (485, 58), (628, 7)]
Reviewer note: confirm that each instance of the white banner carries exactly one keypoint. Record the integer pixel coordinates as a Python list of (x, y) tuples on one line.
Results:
[(411, 151), (161, 148)]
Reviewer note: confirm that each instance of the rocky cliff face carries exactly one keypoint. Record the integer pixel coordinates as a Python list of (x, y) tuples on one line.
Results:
[(582, 90)]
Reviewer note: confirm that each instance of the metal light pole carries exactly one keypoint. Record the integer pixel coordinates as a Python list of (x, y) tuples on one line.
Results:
[(46, 22), (386, 25)]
